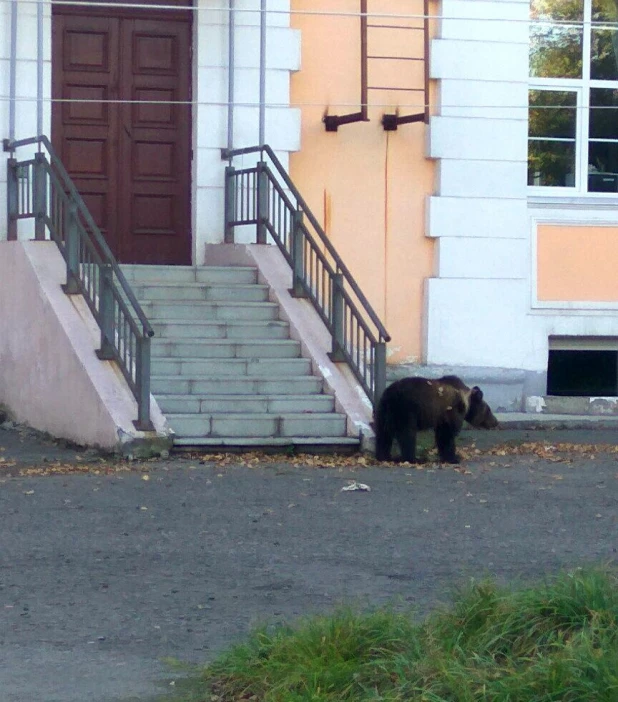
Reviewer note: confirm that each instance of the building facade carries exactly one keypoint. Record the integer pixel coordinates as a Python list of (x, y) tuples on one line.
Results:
[(472, 191)]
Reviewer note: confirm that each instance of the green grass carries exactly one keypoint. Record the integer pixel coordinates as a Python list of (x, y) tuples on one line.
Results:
[(555, 641)]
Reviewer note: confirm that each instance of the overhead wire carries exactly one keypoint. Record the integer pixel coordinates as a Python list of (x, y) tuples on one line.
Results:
[(328, 13), (291, 105), (321, 12)]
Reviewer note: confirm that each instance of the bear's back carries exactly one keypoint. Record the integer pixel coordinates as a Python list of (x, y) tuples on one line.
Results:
[(430, 401)]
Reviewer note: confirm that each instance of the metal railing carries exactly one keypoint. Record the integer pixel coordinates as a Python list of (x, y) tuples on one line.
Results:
[(265, 196), (40, 188)]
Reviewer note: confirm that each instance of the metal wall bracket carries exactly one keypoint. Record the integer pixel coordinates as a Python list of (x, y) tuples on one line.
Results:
[(392, 122), (333, 122)]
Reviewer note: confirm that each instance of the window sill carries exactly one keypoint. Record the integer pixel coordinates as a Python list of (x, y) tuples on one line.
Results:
[(574, 202), (573, 210)]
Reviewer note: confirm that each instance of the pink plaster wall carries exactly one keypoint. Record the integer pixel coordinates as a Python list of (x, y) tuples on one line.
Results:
[(50, 377)]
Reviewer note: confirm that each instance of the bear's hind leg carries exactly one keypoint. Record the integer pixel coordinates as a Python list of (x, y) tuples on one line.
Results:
[(383, 427), (384, 442), (406, 438), (445, 442)]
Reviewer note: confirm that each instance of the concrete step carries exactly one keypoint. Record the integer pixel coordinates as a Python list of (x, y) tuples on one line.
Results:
[(235, 367), (239, 404), (258, 425), (224, 369), (170, 292), (205, 311), (594, 406), (317, 444), (211, 275), (203, 387), (543, 422), (247, 329), (225, 348)]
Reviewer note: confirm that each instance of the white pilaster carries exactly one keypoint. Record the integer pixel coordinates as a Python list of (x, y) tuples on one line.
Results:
[(477, 303), (211, 86), (26, 84)]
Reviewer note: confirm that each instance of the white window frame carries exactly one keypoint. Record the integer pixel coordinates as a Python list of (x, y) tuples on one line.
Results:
[(580, 86)]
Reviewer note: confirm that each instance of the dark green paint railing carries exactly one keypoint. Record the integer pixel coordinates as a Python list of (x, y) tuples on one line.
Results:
[(265, 196), (40, 189)]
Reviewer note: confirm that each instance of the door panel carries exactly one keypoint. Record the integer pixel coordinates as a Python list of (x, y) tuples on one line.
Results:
[(84, 134), (154, 140), (130, 162)]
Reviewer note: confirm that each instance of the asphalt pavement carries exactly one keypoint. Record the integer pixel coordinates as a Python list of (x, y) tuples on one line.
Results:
[(109, 568)]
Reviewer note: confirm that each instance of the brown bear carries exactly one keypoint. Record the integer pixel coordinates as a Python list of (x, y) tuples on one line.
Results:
[(413, 404)]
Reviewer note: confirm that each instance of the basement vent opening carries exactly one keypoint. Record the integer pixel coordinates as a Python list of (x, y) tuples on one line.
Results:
[(582, 373)]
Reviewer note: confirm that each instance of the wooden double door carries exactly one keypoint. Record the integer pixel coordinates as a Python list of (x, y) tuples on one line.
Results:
[(120, 127)]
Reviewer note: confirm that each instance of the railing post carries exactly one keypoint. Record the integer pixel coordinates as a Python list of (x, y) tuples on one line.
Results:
[(230, 204), (379, 372), (39, 196), (337, 319), (71, 244), (106, 313), (142, 383), (12, 199), (262, 202), (298, 256)]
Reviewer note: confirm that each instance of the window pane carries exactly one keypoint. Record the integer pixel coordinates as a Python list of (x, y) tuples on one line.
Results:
[(556, 51), (551, 163), (565, 10), (604, 54), (604, 11), (552, 113), (603, 113), (602, 167)]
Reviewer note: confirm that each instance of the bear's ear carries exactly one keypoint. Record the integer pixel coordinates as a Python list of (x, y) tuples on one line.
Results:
[(477, 394)]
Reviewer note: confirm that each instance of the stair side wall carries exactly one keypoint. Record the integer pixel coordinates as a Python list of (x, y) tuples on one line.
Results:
[(50, 377)]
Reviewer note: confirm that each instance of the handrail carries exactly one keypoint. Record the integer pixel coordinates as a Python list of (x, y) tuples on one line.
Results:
[(268, 198), (94, 229), (229, 154), (41, 189)]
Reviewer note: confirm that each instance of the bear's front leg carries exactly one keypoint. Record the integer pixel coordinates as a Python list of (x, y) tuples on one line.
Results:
[(445, 441)]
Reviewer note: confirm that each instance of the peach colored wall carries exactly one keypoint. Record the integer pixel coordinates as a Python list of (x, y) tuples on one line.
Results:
[(577, 263), (50, 376), (365, 185)]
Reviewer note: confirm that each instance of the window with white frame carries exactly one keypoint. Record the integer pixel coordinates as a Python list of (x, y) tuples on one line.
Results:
[(573, 96)]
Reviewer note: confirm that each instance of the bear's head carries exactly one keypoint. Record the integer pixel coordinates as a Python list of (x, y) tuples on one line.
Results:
[(479, 413)]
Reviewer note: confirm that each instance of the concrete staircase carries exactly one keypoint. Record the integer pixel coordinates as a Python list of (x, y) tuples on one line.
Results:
[(224, 369)]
